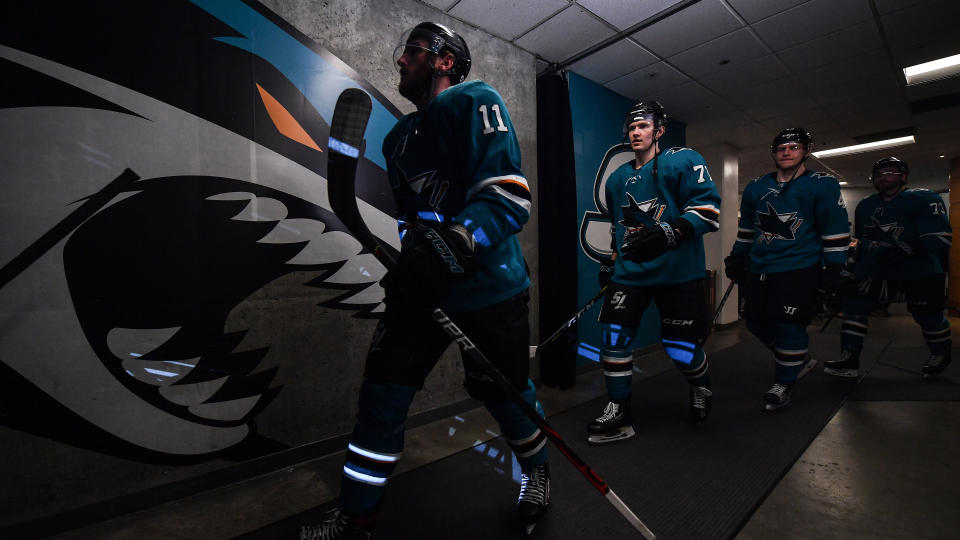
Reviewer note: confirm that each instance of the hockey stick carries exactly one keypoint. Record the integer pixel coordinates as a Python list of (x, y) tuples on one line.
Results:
[(573, 320), (346, 138), (716, 314)]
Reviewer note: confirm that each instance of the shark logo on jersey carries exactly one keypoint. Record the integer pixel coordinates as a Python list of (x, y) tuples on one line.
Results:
[(428, 180), (888, 233), (775, 226), (641, 214)]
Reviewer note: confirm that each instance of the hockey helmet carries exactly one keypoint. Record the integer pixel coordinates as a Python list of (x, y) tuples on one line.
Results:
[(645, 110), (439, 38), (792, 135), (888, 163)]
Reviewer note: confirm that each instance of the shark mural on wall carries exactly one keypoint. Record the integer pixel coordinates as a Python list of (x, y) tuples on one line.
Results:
[(164, 162)]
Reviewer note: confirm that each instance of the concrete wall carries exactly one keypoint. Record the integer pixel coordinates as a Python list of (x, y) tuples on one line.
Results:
[(91, 302)]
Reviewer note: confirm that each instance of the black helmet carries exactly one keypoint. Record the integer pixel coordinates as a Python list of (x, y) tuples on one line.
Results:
[(649, 110), (440, 38), (890, 162), (791, 135)]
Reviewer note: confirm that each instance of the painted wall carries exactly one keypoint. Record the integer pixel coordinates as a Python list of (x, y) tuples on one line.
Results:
[(176, 295), (599, 148)]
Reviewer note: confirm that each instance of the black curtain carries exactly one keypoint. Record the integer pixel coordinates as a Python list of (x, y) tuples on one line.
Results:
[(558, 229)]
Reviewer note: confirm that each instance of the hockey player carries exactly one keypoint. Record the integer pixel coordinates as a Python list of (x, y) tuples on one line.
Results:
[(660, 204), (454, 166), (792, 239), (903, 241)]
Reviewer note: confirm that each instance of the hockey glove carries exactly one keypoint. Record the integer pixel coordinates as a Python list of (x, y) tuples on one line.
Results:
[(894, 254), (836, 282), (431, 260), (606, 272), (649, 242), (735, 266)]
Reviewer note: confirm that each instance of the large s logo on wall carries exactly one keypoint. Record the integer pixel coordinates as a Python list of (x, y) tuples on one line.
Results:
[(595, 225), (163, 164)]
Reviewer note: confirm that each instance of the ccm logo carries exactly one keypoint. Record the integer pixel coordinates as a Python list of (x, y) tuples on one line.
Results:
[(679, 322)]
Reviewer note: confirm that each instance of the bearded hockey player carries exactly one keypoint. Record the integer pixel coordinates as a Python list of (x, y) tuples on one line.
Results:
[(903, 242), (454, 166), (792, 239), (660, 204)]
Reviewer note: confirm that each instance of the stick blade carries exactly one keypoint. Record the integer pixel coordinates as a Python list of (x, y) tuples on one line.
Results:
[(349, 122)]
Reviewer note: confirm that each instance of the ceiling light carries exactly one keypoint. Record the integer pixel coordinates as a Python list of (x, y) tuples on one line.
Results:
[(931, 71), (843, 183), (941, 156), (866, 147)]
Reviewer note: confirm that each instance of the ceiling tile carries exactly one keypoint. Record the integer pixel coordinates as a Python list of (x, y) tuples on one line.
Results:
[(626, 14), (887, 6), (647, 81), (614, 61), (441, 4), (923, 32), (841, 45), (565, 34), (877, 121), (732, 79), (734, 48), (506, 18), (682, 97), (852, 71), (688, 28), (810, 21), (755, 10), (769, 100)]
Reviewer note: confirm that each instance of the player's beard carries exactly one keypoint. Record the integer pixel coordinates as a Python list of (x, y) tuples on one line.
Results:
[(416, 84)]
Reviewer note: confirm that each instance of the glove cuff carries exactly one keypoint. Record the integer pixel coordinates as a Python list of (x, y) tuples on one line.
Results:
[(463, 239), (682, 229)]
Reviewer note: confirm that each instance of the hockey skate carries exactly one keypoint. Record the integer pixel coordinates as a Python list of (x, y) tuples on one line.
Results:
[(534, 496), (777, 396), (936, 364), (846, 366), (338, 526), (701, 399), (615, 424)]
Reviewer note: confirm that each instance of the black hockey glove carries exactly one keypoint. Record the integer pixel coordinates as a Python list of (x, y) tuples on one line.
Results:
[(894, 254), (606, 272), (432, 259), (836, 282), (735, 267), (649, 242)]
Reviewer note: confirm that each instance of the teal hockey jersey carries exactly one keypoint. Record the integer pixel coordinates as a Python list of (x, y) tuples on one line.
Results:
[(793, 225), (683, 189), (914, 218), (459, 159)]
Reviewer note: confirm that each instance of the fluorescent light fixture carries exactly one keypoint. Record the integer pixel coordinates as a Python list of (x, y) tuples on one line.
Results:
[(866, 147), (933, 70), (843, 183)]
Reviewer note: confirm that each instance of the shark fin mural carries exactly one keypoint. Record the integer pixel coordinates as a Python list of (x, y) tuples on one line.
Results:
[(168, 162)]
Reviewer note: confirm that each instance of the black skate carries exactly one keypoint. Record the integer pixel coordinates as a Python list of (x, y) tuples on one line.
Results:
[(846, 366), (936, 364), (615, 424), (701, 398), (534, 496), (338, 526), (777, 396)]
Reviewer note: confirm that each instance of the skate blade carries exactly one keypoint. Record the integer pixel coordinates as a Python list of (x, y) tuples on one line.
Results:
[(624, 433), (528, 529), (808, 367), (853, 374)]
